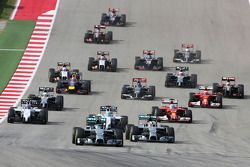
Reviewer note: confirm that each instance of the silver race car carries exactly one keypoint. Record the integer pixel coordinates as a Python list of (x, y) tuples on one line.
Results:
[(187, 54)]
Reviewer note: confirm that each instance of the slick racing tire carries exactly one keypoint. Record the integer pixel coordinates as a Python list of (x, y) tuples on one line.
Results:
[(113, 64), (154, 109), (191, 98), (11, 115), (189, 114), (91, 60), (193, 80), (133, 131), (241, 90), (123, 122), (219, 100), (215, 87), (160, 63), (127, 131), (168, 80), (43, 116), (79, 133), (151, 92), (59, 103), (171, 133), (51, 74), (123, 19), (119, 136), (198, 56)]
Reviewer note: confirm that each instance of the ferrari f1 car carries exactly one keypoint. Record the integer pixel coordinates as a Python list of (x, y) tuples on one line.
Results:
[(205, 98), (98, 35), (27, 113), (74, 86), (228, 88), (97, 135), (102, 62), (149, 131), (108, 118), (47, 99), (63, 72), (171, 112), (138, 90), (113, 18), (187, 54), (149, 61), (181, 78)]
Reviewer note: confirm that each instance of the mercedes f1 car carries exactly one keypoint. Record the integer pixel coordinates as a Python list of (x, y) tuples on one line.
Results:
[(187, 54), (47, 99), (108, 117), (171, 112), (181, 78), (97, 135), (205, 98), (113, 18), (228, 88), (98, 35), (63, 71), (149, 61), (138, 90), (27, 113), (102, 62), (149, 131)]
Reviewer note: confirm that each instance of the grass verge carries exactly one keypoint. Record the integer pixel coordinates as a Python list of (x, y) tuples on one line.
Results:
[(16, 35), (6, 8)]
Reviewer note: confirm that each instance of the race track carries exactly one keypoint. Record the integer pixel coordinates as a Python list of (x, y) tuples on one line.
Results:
[(219, 28)]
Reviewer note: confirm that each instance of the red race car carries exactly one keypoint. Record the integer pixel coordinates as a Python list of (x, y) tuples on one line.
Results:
[(205, 98), (171, 112)]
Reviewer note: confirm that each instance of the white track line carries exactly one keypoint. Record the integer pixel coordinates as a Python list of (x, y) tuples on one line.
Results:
[(14, 12)]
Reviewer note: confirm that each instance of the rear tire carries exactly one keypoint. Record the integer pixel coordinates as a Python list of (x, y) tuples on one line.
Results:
[(193, 80), (219, 100), (43, 116), (91, 60), (127, 131), (191, 99), (241, 90), (51, 75), (189, 114), (168, 80), (119, 135), (11, 115), (123, 122), (154, 109), (79, 134), (59, 103), (113, 64), (133, 131), (198, 56), (160, 63), (215, 87), (152, 92), (123, 19)]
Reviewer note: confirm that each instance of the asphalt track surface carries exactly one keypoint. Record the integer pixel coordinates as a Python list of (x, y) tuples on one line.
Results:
[(218, 137)]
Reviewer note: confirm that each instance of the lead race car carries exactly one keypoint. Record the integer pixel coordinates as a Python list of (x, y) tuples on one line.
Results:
[(187, 54), (47, 99), (148, 130), (99, 35), (113, 18), (170, 111), (138, 90), (27, 113), (63, 72), (108, 118), (205, 98), (74, 86), (181, 78), (148, 61), (97, 135), (228, 88), (102, 62)]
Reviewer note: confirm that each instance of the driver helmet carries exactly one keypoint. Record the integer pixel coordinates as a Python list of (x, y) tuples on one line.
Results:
[(138, 84), (45, 94), (64, 69)]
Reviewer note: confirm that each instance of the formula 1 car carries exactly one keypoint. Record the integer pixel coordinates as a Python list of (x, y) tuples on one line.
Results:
[(27, 113), (228, 88), (171, 112), (113, 18), (47, 99), (74, 86), (149, 131), (98, 35), (181, 78), (97, 135), (63, 72), (138, 90), (102, 62), (187, 54), (205, 98), (108, 118), (149, 61)]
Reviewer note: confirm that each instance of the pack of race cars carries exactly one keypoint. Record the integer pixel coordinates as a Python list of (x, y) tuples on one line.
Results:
[(108, 127)]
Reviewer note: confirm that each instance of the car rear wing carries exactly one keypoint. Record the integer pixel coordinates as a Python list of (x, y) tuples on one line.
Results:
[(183, 68), (108, 108), (169, 101), (205, 88), (46, 89), (102, 53), (187, 45), (28, 101), (147, 117), (114, 9), (93, 120), (151, 52), (100, 26), (61, 64), (142, 80), (228, 79)]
